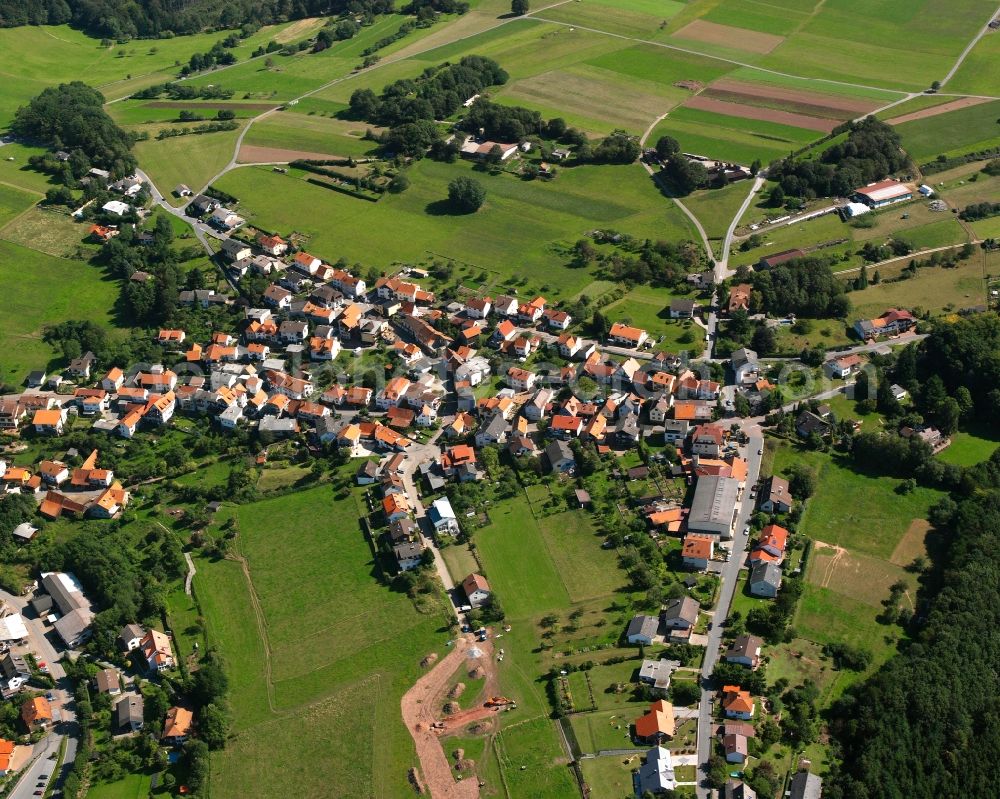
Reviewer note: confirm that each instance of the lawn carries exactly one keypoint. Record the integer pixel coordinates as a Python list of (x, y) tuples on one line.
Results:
[(521, 232), (532, 761), (460, 561), (608, 729), (192, 160), (610, 777), (46, 291), (14, 201), (860, 512), (971, 445), (527, 586), (134, 786), (341, 649), (955, 133)]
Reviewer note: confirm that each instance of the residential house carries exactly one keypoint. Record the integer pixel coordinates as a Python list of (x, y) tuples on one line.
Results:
[(891, 323), (697, 551), (765, 579), (693, 410), (156, 649), (745, 367), (224, 219), (536, 407), (735, 747), (521, 379), (679, 617), (642, 630), (656, 774), (443, 518), (627, 431), (478, 308), (776, 497), (737, 703), (476, 589), (691, 387), (739, 298), (745, 651), (80, 367), (560, 456), (505, 306), (682, 308), (707, 440), (177, 726), (131, 637), (36, 714), (49, 422), (395, 507), (272, 245), (626, 336), (657, 725), (409, 555), (564, 426), (235, 250), (129, 711), (808, 423), (736, 789), (842, 367), (658, 672), (494, 431), (805, 785), (109, 682)]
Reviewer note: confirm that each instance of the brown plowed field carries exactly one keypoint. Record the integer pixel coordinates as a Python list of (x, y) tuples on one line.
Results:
[(827, 105), (194, 106), (728, 36), (702, 103), (253, 154), (933, 111)]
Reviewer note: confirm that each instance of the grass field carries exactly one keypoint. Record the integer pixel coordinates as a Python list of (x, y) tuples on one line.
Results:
[(192, 160), (51, 231), (341, 649), (45, 291), (14, 201), (715, 209), (134, 786), (317, 134), (934, 289), (954, 133), (33, 57), (532, 761), (17, 174), (863, 514), (520, 232), (973, 76)]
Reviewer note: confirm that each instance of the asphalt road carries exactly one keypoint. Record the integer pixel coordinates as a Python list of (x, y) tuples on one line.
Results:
[(45, 645), (729, 575)]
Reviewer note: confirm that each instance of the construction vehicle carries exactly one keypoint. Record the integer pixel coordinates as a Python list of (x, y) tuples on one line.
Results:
[(499, 701)]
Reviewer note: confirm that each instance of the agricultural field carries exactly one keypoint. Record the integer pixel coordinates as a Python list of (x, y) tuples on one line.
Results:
[(192, 160), (521, 232), (975, 75), (935, 289), (14, 202), (315, 134), (51, 231), (340, 649), (962, 131), (46, 290)]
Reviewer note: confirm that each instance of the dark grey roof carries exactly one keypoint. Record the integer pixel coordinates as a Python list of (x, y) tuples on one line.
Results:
[(806, 785), (558, 450), (714, 501), (129, 711), (642, 625), (407, 550), (684, 608), (739, 790), (764, 572), (67, 601), (14, 665), (42, 604)]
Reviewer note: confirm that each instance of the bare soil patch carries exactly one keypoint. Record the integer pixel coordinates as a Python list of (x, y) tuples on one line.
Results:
[(457, 691), (703, 103), (195, 106), (690, 85), (825, 104), (933, 111), (254, 154), (911, 545), (430, 660), (727, 36)]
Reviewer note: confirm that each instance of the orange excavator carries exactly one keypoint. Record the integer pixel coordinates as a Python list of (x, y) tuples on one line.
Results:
[(498, 701)]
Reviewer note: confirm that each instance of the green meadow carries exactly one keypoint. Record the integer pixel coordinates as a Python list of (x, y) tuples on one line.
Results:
[(192, 160), (955, 133), (521, 232)]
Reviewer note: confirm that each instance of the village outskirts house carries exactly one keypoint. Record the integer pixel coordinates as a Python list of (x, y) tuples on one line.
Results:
[(776, 496), (642, 630), (476, 589)]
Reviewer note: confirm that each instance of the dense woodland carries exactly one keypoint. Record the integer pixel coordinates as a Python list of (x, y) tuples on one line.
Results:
[(804, 286), (71, 117), (870, 152), (120, 19)]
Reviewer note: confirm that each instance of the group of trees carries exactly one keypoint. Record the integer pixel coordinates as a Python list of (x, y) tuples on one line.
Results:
[(870, 152), (979, 211), (71, 116), (804, 287), (436, 94), (658, 263)]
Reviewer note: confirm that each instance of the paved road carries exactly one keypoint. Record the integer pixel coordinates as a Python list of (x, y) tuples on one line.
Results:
[(41, 644), (729, 575)]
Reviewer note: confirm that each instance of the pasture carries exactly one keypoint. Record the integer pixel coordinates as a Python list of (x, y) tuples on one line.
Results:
[(934, 289), (45, 291), (862, 513), (14, 202), (533, 762), (51, 231), (340, 648), (521, 233), (975, 76), (312, 133), (715, 208)]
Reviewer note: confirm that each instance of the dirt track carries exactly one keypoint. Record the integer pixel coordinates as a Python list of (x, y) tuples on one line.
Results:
[(420, 707)]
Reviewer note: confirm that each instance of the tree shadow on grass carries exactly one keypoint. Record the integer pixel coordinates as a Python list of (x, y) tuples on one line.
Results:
[(445, 208)]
